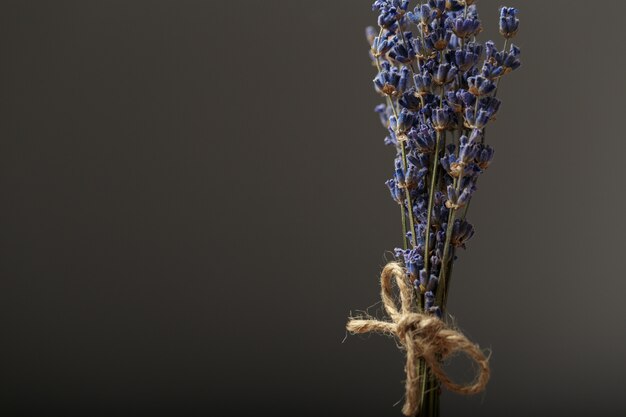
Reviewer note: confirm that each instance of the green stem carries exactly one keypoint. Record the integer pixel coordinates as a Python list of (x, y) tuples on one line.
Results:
[(424, 389), (431, 191), (408, 196), (404, 167), (402, 212), (431, 199), (449, 279), (404, 159), (443, 278), (434, 395), (442, 290)]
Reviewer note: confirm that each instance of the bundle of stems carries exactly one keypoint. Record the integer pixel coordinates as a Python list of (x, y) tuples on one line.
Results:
[(439, 86)]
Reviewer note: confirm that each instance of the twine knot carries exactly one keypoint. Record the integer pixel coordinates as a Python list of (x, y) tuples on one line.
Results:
[(423, 337)]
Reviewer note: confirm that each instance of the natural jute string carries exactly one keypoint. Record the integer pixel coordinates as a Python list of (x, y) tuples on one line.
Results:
[(422, 336)]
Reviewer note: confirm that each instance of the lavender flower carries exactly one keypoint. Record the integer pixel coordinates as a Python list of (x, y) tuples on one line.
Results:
[(484, 156), (465, 59), (438, 39), (437, 90), (423, 83), (422, 15), (465, 27), (457, 200), (480, 86), (439, 86), (441, 118), (476, 119), (509, 23), (444, 74), (462, 231)]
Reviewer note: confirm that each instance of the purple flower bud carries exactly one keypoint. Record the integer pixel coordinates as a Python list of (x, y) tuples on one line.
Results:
[(510, 60), (480, 86), (405, 121), (441, 118), (462, 231), (429, 299), (423, 83), (485, 156), (439, 39), (465, 60), (433, 282), (509, 23), (491, 71), (482, 119), (490, 50), (370, 34), (397, 194), (464, 197), (399, 173), (445, 74), (465, 27)]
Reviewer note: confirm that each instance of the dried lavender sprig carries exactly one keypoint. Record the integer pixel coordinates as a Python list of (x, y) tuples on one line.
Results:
[(378, 47), (433, 34), (508, 29), (447, 57)]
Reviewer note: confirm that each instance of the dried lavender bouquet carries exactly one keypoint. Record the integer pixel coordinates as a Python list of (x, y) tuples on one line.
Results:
[(439, 86)]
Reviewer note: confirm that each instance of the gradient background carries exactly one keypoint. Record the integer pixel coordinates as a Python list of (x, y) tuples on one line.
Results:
[(192, 202)]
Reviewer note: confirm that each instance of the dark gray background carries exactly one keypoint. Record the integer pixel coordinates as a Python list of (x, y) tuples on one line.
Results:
[(192, 202)]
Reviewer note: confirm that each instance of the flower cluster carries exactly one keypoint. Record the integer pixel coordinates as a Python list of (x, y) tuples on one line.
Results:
[(439, 85)]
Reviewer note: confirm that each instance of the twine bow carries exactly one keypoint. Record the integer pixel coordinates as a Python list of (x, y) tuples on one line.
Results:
[(422, 336)]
